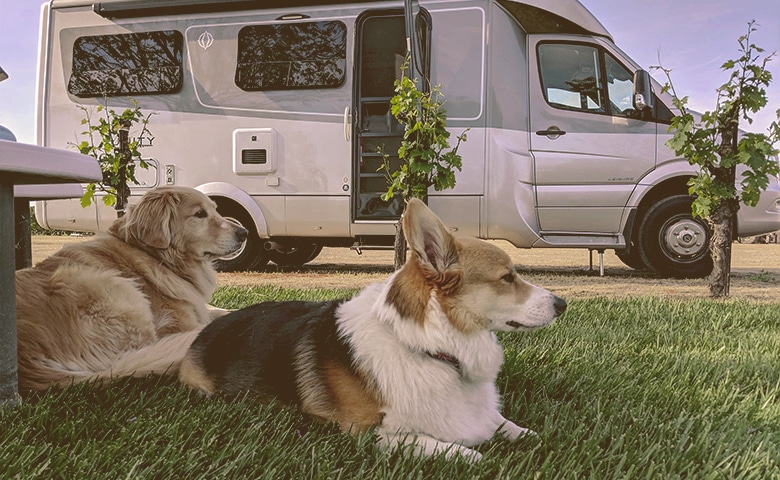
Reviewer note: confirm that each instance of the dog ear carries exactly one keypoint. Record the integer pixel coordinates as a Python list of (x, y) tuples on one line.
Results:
[(432, 245), (149, 223)]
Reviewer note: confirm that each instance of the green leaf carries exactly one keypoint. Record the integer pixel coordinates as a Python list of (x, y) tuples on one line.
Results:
[(89, 196)]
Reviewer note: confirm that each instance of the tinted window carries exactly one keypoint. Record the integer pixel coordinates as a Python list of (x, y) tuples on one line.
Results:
[(570, 77), (585, 78), (127, 64), (620, 87), (292, 56)]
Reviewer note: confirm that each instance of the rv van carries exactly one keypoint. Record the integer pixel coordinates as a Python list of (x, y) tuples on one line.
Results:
[(279, 111)]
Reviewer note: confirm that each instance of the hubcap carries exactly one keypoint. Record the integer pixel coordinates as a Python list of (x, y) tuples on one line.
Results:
[(684, 237)]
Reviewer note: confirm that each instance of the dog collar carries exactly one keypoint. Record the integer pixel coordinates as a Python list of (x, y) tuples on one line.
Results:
[(446, 358)]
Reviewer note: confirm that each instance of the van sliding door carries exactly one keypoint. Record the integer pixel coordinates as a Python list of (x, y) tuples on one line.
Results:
[(380, 54)]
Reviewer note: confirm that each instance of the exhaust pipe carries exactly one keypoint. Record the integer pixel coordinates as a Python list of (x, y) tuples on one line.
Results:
[(269, 245)]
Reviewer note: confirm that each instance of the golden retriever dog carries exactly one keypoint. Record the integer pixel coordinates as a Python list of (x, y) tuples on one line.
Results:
[(128, 302)]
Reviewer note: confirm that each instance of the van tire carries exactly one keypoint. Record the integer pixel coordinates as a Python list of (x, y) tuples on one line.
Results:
[(252, 256), (672, 242), (632, 259), (295, 255)]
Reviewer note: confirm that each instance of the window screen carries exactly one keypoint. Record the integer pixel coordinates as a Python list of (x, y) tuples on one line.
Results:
[(292, 56), (127, 64)]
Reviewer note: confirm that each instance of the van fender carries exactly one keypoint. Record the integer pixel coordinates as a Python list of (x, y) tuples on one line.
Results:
[(231, 192), (676, 168)]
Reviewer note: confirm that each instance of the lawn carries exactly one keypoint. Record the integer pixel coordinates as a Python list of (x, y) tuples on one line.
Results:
[(634, 388)]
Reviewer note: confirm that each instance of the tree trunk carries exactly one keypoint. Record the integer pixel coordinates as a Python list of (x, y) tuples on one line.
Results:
[(721, 221), (122, 189), (722, 215)]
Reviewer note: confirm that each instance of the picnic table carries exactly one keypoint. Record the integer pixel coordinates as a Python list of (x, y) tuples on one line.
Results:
[(28, 172)]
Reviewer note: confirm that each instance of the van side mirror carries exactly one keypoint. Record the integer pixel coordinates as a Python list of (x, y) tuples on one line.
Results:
[(643, 92)]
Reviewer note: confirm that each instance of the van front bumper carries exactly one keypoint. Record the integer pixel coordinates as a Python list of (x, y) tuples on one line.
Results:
[(764, 217)]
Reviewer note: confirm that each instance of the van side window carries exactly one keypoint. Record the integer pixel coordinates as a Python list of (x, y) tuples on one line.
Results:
[(571, 77), (127, 64), (620, 87), (292, 56)]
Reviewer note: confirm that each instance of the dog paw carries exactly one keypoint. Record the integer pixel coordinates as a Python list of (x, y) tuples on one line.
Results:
[(512, 432), (463, 452)]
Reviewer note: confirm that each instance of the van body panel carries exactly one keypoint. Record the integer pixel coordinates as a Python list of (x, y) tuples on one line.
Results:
[(762, 218), (316, 216), (558, 214), (66, 214), (511, 199)]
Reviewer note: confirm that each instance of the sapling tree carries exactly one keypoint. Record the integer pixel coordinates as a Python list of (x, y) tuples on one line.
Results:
[(714, 143), (427, 159), (108, 139)]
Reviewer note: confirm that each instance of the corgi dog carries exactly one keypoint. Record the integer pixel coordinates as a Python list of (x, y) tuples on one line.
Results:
[(414, 357)]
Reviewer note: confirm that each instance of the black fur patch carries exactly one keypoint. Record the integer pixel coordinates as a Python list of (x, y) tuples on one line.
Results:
[(253, 349)]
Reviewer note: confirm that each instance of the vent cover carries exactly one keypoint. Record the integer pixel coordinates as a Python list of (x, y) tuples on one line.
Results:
[(254, 151), (255, 156)]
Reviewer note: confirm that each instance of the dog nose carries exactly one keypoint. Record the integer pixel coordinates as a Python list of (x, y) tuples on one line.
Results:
[(241, 234), (559, 305)]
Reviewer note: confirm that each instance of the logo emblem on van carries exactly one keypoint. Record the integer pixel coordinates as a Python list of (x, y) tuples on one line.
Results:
[(205, 40)]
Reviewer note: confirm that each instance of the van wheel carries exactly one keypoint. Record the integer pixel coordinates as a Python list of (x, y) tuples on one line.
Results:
[(672, 242), (252, 255), (294, 255), (632, 259)]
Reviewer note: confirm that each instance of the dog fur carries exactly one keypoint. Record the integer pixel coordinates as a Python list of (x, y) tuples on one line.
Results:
[(414, 357), (128, 302)]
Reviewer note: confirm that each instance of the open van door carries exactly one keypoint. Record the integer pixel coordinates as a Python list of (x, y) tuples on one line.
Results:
[(381, 48)]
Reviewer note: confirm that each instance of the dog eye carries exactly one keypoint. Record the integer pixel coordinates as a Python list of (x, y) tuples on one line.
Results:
[(508, 278), (201, 214)]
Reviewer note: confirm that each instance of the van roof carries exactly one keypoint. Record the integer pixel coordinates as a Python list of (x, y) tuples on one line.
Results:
[(570, 10)]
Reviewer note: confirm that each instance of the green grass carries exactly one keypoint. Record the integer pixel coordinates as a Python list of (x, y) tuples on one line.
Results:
[(642, 388)]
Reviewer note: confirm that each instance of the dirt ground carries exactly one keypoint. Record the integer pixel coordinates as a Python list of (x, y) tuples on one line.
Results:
[(755, 272)]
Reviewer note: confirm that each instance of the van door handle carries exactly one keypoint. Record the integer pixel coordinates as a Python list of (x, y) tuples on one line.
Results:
[(551, 132), (347, 123)]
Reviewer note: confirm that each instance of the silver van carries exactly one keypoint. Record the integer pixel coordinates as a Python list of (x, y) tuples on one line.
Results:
[(277, 113)]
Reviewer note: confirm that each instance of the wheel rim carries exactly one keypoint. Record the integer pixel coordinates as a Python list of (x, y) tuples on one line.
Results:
[(237, 253), (684, 238), (294, 254)]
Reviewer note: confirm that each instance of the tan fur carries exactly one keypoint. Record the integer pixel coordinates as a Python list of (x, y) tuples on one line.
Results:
[(457, 271), (328, 393), (426, 271), (410, 292), (357, 407), (191, 373), (482, 265), (90, 305)]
